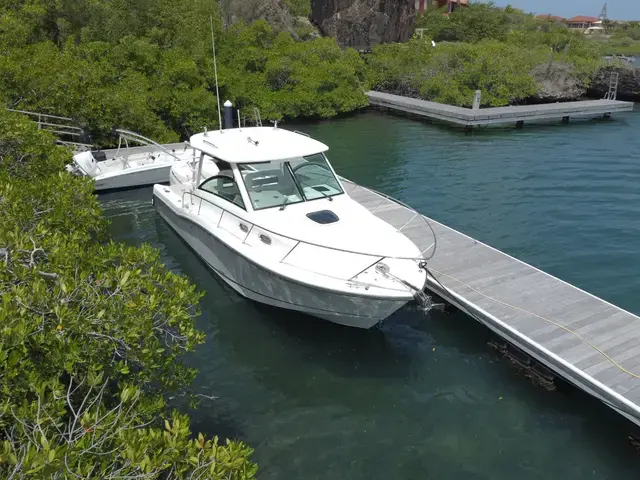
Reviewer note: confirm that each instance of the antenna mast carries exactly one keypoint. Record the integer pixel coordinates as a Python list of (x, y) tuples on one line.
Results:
[(215, 70), (603, 14)]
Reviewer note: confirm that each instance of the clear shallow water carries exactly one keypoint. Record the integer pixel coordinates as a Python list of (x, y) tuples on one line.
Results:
[(424, 396)]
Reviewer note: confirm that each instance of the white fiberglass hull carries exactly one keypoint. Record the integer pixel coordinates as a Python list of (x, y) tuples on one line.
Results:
[(131, 166), (262, 285), (134, 177)]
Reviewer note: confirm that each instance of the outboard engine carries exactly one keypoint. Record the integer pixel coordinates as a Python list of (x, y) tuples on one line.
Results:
[(84, 163)]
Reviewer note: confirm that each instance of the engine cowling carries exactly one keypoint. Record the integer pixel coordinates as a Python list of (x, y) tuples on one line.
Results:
[(86, 163)]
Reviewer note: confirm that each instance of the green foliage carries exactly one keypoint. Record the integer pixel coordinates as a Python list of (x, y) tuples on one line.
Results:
[(478, 21), (451, 73), (633, 33), (286, 78), (495, 50), (147, 66), (92, 335), (621, 45), (300, 8)]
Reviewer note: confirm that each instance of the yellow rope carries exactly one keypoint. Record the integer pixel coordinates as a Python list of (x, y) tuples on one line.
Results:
[(563, 327)]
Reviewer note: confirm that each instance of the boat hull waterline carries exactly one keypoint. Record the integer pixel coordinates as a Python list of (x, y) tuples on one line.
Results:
[(262, 285)]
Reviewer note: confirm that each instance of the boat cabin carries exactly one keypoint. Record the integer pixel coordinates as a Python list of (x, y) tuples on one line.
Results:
[(262, 167)]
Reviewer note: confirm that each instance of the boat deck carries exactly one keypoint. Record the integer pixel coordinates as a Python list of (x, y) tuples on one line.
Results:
[(499, 115), (587, 341)]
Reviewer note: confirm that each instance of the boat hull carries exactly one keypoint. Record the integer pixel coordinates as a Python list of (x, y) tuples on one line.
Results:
[(134, 178), (262, 285)]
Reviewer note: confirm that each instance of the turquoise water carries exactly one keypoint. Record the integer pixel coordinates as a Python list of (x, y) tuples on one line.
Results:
[(424, 396)]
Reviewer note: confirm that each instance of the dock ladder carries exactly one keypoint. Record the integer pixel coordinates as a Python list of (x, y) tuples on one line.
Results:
[(613, 87)]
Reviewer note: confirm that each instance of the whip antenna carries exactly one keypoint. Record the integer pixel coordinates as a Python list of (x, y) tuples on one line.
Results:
[(215, 70)]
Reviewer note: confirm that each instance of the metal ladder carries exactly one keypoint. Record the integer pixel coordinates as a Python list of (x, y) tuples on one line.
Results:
[(613, 87)]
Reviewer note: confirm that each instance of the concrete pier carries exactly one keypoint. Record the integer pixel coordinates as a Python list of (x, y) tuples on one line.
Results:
[(516, 115)]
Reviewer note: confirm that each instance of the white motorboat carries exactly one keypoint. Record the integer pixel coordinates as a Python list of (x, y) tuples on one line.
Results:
[(129, 166), (265, 210)]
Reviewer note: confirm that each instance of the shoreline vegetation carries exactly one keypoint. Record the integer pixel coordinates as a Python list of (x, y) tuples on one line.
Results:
[(94, 333), (512, 57), (86, 62)]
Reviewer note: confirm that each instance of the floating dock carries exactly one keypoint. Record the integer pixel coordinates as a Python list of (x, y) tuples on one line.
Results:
[(472, 117), (592, 344)]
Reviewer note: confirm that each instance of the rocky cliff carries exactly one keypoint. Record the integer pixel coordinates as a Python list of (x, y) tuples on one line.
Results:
[(363, 23), (277, 13), (628, 82), (556, 83)]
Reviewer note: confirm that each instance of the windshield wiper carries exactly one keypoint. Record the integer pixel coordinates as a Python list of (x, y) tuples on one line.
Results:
[(284, 202), (330, 197)]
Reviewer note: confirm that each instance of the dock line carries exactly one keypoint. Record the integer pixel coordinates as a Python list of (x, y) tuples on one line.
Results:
[(548, 320)]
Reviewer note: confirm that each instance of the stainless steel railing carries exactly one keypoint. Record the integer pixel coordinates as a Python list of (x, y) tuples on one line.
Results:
[(126, 136), (386, 199), (57, 125), (253, 224)]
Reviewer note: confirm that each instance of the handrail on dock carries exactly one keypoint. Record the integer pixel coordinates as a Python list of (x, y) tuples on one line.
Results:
[(53, 124), (39, 115)]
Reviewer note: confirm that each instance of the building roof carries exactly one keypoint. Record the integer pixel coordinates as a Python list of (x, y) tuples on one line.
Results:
[(256, 144), (582, 19)]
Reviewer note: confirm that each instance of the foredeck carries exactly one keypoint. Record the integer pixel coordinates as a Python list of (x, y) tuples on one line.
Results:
[(587, 341), (499, 115)]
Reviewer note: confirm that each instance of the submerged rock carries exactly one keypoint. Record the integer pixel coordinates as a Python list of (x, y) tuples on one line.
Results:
[(363, 23), (628, 82)]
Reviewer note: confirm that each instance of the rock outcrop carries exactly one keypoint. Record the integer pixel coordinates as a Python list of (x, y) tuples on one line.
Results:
[(363, 23), (628, 82), (556, 83), (275, 12)]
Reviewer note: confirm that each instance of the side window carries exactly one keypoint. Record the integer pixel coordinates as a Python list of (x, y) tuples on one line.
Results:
[(223, 186), (222, 165)]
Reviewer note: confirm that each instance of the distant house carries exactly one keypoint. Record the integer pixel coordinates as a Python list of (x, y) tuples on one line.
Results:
[(450, 4), (582, 22)]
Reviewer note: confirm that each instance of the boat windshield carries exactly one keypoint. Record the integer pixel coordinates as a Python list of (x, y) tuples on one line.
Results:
[(277, 184), (314, 177), (270, 184)]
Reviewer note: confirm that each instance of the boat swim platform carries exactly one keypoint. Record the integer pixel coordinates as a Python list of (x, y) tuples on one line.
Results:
[(518, 114), (581, 338)]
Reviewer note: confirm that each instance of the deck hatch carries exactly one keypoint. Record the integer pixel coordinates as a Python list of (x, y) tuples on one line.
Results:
[(323, 217)]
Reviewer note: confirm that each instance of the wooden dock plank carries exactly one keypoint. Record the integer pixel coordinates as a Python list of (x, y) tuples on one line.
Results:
[(629, 358), (575, 321), (552, 320), (625, 350)]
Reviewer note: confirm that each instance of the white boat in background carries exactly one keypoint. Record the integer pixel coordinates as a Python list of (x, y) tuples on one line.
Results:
[(265, 210), (129, 166)]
